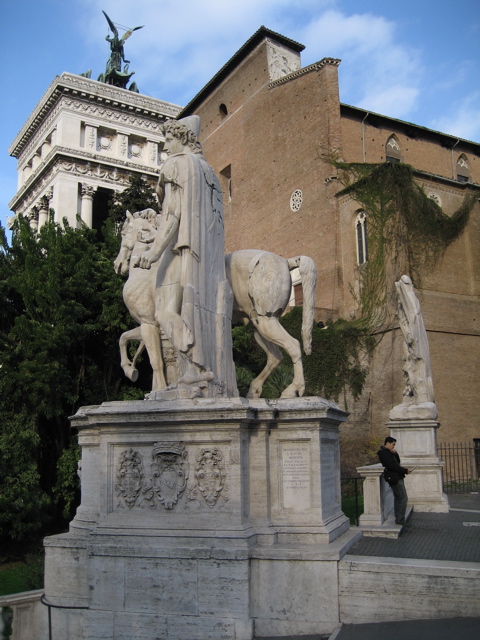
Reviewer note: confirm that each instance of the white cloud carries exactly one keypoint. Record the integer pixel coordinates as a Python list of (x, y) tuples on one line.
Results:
[(463, 121), (184, 43), (396, 101), (335, 32), (377, 72)]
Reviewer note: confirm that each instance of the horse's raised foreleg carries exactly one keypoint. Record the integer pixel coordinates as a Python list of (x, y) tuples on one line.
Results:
[(128, 365), (274, 358), (271, 330), (151, 337)]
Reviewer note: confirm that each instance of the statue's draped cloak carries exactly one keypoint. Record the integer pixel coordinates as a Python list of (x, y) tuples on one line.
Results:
[(192, 193), (417, 354)]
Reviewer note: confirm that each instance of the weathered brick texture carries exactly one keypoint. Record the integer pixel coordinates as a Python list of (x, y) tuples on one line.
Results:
[(267, 139)]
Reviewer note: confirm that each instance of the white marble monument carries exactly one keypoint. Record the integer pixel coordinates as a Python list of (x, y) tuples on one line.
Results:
[(414, 422), (85, 138), (202, 518), (203, 515), (183, 291)]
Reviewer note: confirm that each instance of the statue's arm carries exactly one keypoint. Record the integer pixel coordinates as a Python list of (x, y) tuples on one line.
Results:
[(160, 191)]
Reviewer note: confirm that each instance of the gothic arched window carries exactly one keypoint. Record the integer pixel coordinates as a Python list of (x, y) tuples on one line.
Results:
[(393, 152), (463, 172), (362, 237)]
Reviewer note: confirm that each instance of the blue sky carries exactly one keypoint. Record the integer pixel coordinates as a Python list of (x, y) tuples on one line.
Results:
[(418, 61)]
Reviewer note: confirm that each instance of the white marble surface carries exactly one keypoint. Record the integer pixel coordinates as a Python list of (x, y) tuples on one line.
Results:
[(418, 395), (253, 510), (380, 589)]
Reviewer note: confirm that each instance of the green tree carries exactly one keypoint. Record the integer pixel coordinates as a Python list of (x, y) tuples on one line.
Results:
[(137, 196), (61, 316), (335, 366)]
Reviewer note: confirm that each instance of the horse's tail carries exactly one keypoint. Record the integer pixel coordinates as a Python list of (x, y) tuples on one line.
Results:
[(308, 274)]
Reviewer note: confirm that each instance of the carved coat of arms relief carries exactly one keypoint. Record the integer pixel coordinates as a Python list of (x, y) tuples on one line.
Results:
[(130, 477), (169, 472), (167, 483)]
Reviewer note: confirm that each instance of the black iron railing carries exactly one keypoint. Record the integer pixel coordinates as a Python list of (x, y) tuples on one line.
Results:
[(461, 473), (51, 606), (352, 498)]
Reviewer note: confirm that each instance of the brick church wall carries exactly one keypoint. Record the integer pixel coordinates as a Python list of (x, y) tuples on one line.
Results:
[(267, 139)]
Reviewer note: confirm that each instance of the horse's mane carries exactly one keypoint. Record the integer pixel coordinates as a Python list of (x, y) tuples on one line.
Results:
[(150, 215)]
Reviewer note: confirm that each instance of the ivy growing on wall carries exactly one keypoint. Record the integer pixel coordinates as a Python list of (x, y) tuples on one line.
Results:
[(407, 234), (407, 231), (334, 367)]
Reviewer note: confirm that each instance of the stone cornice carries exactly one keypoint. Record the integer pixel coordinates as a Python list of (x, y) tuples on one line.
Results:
[(445, 185), (90, 91), (316, 66), (102, 112), (81, 164), (454, 185)]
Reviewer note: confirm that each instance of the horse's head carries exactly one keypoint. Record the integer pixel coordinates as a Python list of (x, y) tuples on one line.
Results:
[(139, 227)]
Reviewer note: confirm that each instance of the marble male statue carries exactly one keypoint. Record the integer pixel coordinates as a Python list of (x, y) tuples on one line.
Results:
[(193, 297), (418, 396)]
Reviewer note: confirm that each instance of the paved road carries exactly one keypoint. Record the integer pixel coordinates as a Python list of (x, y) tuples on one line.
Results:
[(447, 629), (433, 536)]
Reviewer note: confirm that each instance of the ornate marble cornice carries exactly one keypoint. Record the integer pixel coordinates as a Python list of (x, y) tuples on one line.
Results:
[(104, 111), (108, 171), (106, 116), (93, 92), (316, 66)]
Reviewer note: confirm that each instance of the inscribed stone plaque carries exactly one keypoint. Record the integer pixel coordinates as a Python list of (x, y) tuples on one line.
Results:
[(329, 464), (296, 475)]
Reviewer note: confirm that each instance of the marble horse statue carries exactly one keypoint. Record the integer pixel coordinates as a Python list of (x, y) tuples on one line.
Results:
[(261, 284)]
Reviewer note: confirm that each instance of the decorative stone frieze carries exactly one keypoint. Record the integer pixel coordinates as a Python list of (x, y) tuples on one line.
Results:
[(87, 94), (80, 167), (166, 482), (301, 72)]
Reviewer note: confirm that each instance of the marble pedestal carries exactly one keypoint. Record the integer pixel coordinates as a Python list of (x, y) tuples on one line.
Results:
[(417, 447), (202, 518)]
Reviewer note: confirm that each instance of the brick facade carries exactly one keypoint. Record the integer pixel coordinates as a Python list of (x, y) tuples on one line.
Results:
[(265, 135)]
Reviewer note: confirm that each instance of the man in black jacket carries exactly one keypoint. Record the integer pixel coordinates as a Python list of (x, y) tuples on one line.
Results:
[(394, 475)]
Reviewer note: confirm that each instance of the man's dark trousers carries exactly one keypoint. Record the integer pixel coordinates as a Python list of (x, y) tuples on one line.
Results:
[(401, 499)]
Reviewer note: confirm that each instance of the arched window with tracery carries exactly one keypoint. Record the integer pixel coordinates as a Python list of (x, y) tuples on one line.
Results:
[(362, 237), (463, 171), (393, 153)]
